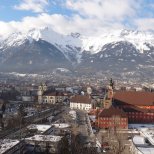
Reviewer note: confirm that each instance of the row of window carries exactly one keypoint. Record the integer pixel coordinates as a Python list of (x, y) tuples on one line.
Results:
[(144, 117), (111, 123), (113, 119), (80, 105), (84, 108), (46, 101), (139, 113)]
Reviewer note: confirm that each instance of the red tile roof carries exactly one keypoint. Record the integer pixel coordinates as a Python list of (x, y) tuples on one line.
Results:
[(135, 98), (112, 111), (86, 99)]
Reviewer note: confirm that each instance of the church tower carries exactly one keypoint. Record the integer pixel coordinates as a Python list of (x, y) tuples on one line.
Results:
[(109, 95), (110, 89), (41, 89)]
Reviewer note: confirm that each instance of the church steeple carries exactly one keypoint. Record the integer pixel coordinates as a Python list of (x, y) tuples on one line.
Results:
[(109, 95), (111, 83), (42, 88)]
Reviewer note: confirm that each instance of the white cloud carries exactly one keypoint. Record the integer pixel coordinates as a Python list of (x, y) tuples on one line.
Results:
[(59, 23), (89, 17), (104, 9), (33, 5), (145, 23)]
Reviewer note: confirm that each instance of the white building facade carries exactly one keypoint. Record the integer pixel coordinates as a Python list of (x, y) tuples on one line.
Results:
[(81, 102)]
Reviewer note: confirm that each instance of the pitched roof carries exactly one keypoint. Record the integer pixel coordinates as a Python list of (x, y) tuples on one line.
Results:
[(135, 98), (53, 94), (86, 99), (112, 111)]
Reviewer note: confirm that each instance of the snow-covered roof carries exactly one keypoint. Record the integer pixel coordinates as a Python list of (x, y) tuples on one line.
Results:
[(6, 144), (40, 128), (139, 140), (61, 125), (73, 114), (51, 138), (149, 134)]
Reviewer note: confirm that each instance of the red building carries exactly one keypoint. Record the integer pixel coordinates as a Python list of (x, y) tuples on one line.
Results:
[(139, 106), (112, 118)]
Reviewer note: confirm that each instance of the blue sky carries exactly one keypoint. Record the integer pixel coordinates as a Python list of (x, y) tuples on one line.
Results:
[(8, 12), (84, 16)]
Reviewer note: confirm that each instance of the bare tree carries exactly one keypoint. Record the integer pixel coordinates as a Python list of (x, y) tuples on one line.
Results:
[(64, 147), (78, 147), (116, 142)]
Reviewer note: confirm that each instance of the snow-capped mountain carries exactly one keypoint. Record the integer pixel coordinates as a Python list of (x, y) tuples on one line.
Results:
[(43, 49), (75, 40), (137, 38), (65, 43)]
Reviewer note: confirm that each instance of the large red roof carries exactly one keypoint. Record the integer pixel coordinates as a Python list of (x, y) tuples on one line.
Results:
[(135, 98)]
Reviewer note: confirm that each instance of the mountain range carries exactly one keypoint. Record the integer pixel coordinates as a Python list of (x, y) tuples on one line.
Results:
[(120, 52)]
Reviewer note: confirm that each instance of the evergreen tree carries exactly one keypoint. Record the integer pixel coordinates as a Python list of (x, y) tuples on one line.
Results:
[(3, 108)]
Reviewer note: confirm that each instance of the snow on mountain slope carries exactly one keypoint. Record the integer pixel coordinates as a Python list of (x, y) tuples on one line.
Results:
[(52, 37), (67, 44), (74, 44), (137, 38)]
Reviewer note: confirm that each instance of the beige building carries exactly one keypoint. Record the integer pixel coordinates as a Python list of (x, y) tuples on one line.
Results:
[(41, 89), (53, 97), (82, 102)]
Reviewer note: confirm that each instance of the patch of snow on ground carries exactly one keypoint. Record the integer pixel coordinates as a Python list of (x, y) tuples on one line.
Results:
[(132, 60), (73, 114), (146, 150), (61, 125), (18, 74), (62, 69), (106, 56), (121, 59), (40, 128), (101, 56), (7, 144), (91, 61), (30, 62), (51, 138)]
